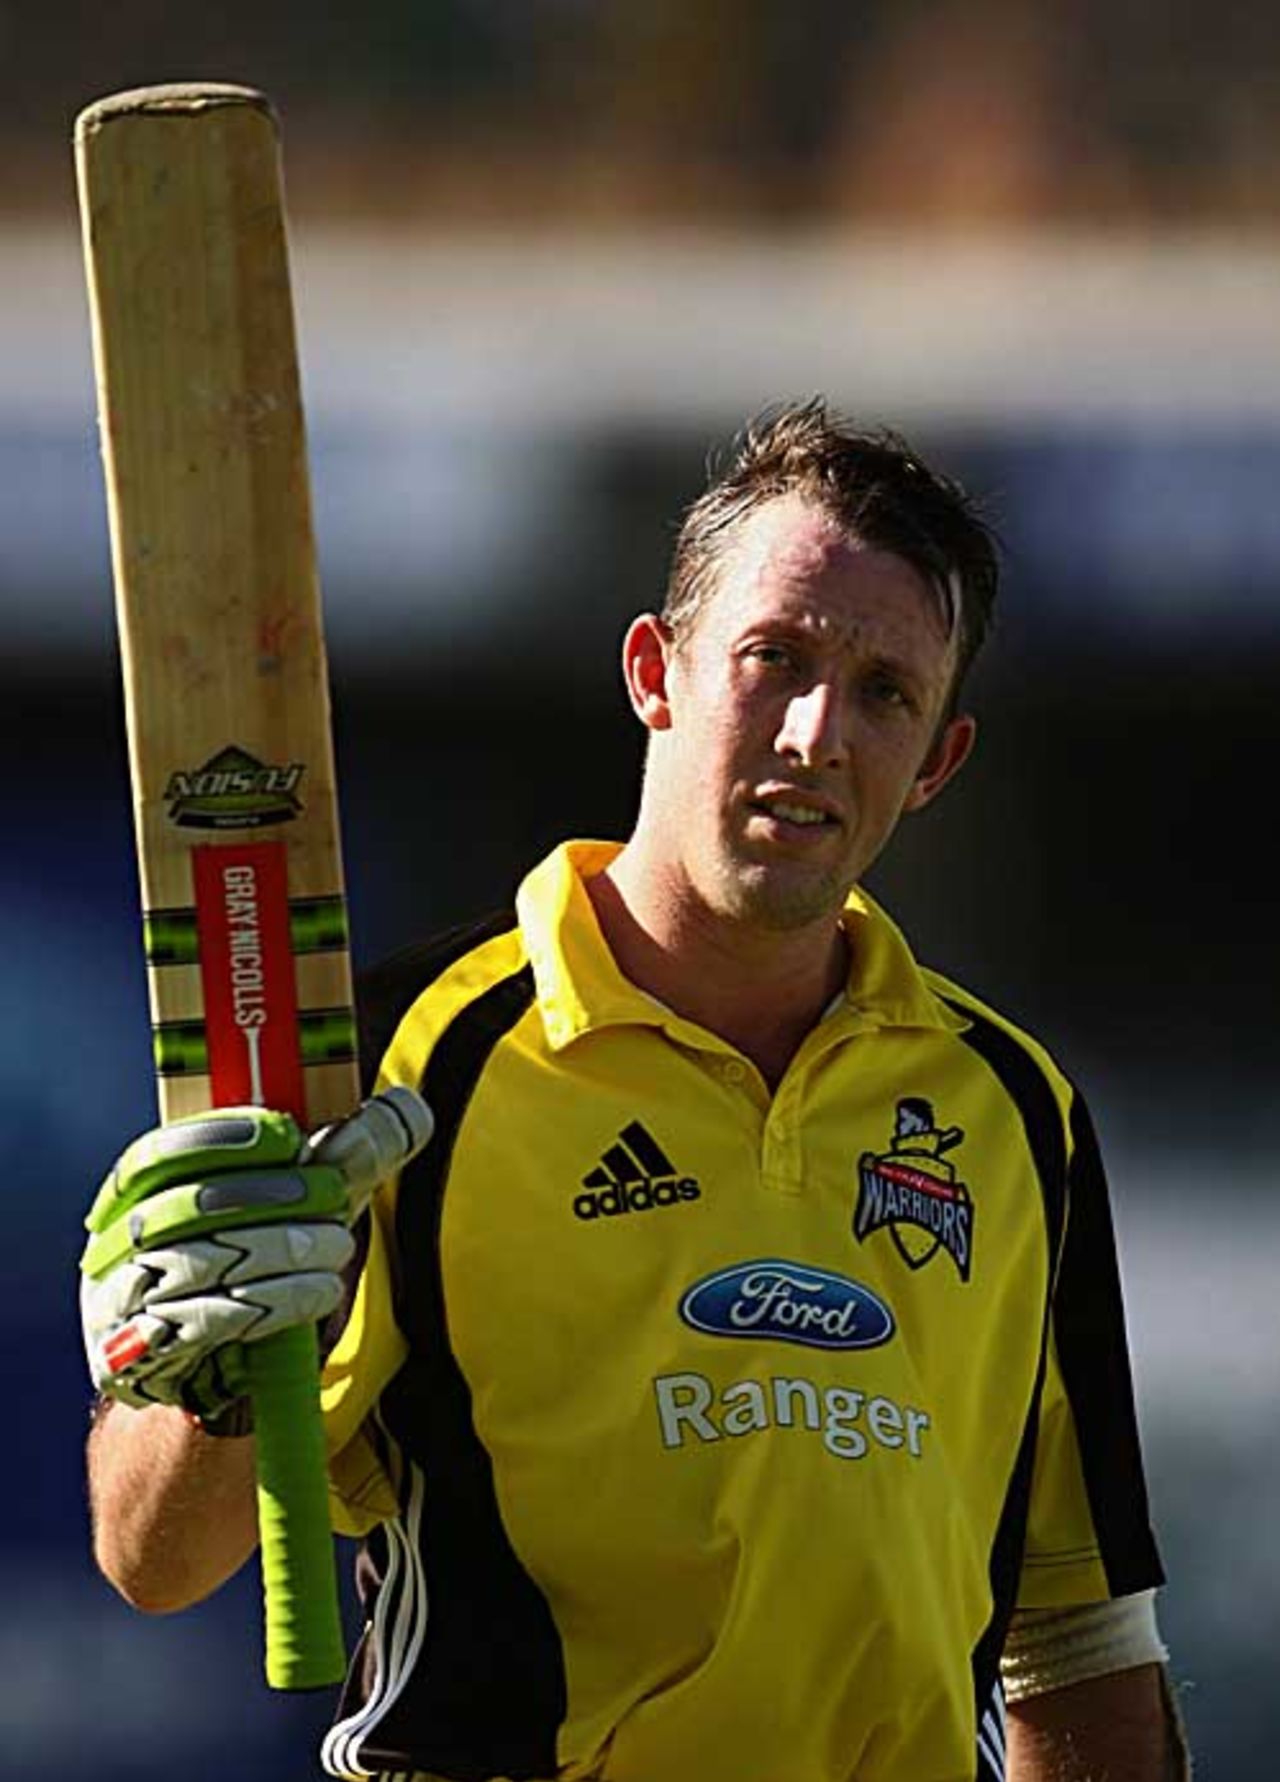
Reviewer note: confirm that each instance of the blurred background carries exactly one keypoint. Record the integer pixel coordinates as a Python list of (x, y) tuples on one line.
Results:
[(547, 253)]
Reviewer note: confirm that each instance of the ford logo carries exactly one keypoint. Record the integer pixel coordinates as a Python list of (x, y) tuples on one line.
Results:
[(789, 1301)]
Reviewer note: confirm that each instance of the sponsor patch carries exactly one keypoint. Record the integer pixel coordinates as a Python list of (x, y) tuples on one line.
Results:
[(789, 1302), (913, 1191), (850, 1423)]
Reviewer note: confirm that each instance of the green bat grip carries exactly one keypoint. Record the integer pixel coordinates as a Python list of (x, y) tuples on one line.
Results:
[(305, 1646)]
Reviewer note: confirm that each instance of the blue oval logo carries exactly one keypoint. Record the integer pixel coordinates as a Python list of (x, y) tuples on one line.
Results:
[(790, 1302)]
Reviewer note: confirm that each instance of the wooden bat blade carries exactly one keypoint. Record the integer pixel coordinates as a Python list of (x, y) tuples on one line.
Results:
[(204, 455), (226, 695)]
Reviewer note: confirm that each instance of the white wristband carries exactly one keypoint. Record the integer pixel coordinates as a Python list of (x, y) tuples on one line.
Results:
[(1049, 1648)]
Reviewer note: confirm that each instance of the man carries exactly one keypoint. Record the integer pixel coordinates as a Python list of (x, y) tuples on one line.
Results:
[(739, 1375)]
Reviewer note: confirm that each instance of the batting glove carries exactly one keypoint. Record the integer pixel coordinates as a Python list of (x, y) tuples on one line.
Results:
[(223, 1228)]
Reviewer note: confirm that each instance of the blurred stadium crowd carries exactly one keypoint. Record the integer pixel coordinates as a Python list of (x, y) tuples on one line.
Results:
[(1126, 112)]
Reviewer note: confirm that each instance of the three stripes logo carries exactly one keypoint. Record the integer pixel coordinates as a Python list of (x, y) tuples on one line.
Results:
[(633, 1176)]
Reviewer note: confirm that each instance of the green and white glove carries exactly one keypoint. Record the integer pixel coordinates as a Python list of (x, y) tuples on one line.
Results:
[(223, 1228)]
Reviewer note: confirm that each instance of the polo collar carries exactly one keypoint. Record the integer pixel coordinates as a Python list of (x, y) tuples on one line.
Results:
[(580, 988), (885, 983)]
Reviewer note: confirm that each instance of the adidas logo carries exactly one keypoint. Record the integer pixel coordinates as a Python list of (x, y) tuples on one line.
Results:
[(633, 1176)]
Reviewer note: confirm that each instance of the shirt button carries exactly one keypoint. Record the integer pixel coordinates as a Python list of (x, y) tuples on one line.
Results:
[(733, 1070)]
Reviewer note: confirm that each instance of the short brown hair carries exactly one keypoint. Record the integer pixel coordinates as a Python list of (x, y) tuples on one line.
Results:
[(874, 484)]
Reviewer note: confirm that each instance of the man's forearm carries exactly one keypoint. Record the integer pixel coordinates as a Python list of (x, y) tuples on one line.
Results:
[(1118, 1728), (173, 1509)]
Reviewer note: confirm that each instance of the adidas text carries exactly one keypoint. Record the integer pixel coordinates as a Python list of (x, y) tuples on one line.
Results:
[(635, 1197)]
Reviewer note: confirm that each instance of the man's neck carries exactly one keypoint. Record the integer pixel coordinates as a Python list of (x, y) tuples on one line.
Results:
[(761, 993)]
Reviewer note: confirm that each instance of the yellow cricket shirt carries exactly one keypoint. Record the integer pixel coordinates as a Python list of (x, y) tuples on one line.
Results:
[(700, 1434)]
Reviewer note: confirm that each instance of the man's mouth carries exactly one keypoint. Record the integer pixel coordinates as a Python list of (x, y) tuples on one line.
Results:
[(804, 814)]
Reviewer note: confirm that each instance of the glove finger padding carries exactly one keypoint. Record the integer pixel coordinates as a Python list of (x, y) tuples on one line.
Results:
[(152, 1322), (186, 1150), (200, 1209), (232, 1258)]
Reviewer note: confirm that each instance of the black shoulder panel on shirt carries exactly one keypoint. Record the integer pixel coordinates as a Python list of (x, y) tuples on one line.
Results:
[(488, 1693), (1028, 1088), (387, 991), (1026, 1085), (1093, 1355)]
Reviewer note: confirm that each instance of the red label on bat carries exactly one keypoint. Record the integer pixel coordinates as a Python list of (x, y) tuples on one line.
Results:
[(246, 969)]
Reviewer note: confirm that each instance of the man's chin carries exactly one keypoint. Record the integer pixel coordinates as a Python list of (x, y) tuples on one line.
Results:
[(784, 901)]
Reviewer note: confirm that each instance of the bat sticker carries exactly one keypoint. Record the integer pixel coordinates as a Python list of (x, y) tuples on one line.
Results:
[(234, 790)]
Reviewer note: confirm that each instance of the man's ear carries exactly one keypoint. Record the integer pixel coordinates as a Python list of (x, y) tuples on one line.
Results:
[(646, 654), (948, 755)]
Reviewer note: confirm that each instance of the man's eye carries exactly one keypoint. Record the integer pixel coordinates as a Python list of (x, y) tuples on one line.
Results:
[(771, 655), (887, 691)]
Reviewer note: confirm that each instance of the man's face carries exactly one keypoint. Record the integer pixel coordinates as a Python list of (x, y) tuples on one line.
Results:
[(800, 714)]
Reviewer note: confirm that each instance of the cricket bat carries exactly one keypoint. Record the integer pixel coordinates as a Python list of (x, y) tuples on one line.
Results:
[(226, 697)]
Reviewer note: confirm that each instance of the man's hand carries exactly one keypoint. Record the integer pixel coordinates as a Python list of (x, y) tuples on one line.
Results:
[(222, 1229)]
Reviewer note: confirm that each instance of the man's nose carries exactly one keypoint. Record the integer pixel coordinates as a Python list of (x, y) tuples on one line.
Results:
[(813, 727)]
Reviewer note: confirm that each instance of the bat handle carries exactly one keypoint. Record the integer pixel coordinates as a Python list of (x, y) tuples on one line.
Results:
[(305, 1646)]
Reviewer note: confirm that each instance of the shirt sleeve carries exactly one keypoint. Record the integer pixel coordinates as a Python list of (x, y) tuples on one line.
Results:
[(369, 1347), (1088, 1533), (366, 1356)]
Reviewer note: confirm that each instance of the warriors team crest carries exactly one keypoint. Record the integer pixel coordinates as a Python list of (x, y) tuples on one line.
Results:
[(914, 1190)]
